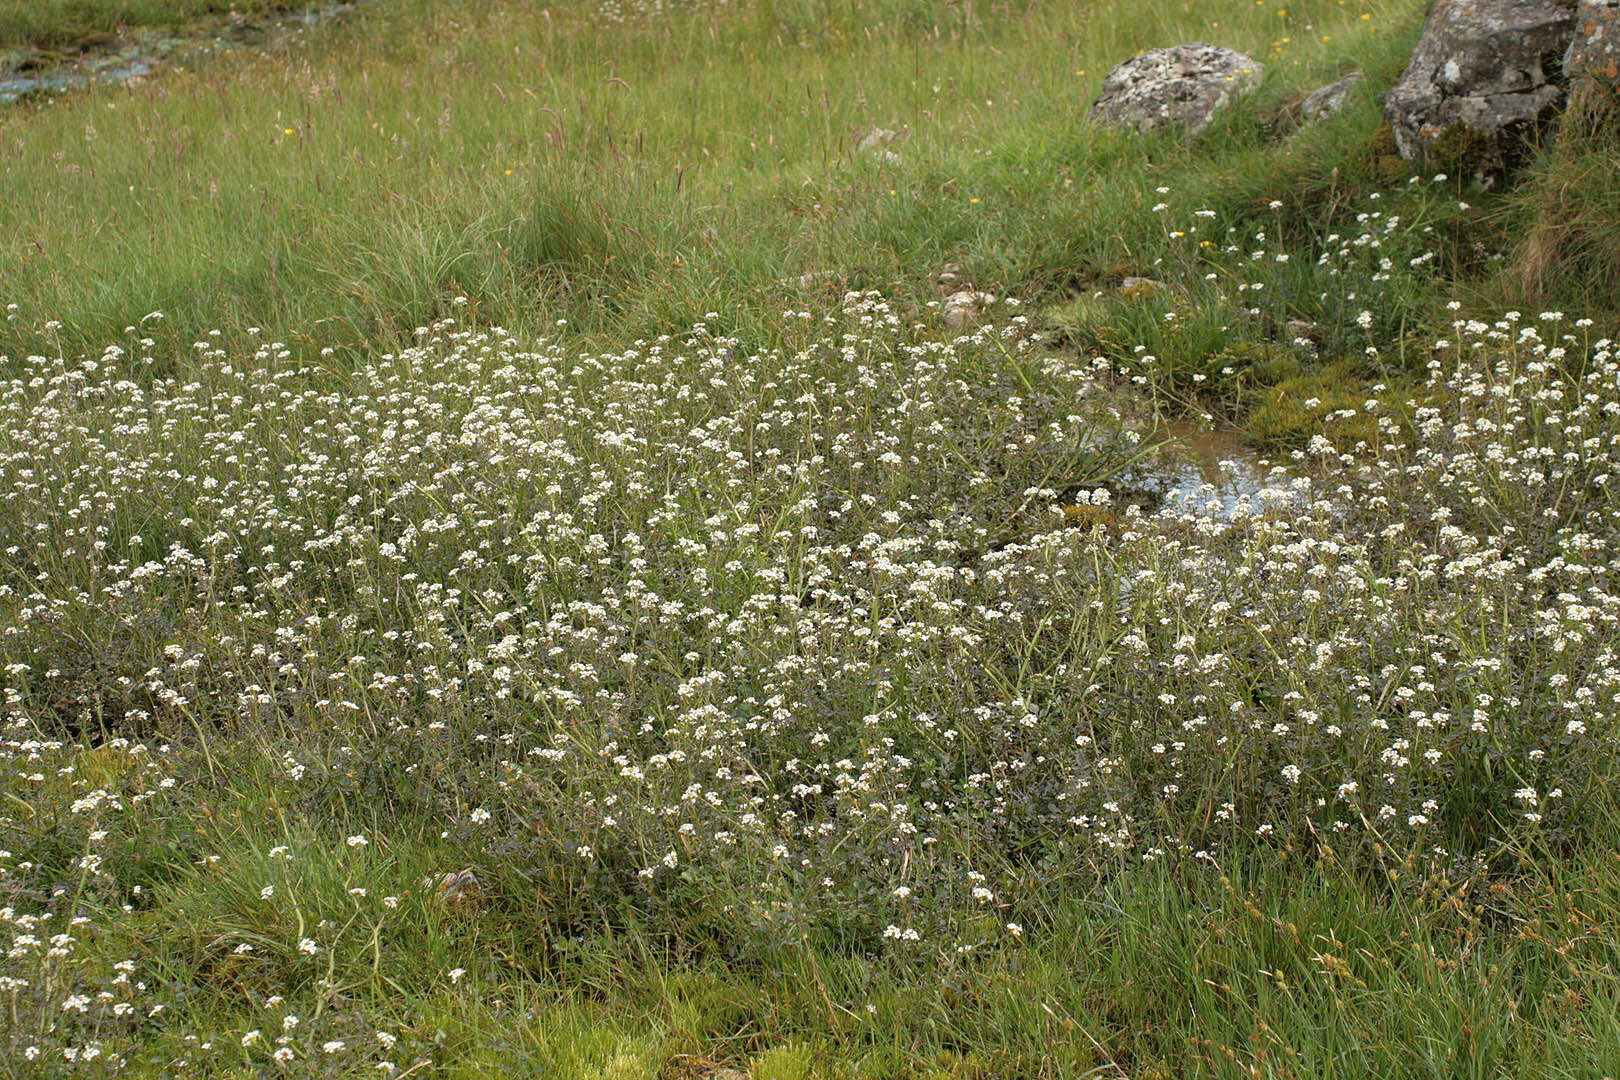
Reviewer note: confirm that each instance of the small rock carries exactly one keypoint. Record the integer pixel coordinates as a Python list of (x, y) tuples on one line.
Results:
[(1487, 68), (1140, 288), (948, 279), (815, 280), (964, 308), (877, 143), (453, 888), (1297, 331), (1183, 87), (1330, 98), (877, 137)]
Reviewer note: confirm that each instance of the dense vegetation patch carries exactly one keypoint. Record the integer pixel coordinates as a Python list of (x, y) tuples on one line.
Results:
[(561, 585)]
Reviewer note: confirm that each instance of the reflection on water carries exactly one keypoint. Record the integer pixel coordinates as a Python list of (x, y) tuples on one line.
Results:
[(32, 74), (1204, 472)]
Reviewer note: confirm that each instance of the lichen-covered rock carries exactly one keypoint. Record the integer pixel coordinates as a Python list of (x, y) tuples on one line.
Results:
[(1594, 52), (1181, 87), (1330, 98), (1490, 68)]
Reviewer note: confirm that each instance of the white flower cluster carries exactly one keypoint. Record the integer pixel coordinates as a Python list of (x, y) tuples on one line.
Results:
[(794, 634)]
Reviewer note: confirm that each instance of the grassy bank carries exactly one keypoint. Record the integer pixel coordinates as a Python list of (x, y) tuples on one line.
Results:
[(341, 195), (508, 568), (696, 165), (70, 24)]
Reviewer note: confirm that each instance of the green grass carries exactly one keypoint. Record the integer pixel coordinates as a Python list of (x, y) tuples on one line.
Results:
[(55, 24), (535, 491), (1286, 964), (1295, 970), (694, 166)]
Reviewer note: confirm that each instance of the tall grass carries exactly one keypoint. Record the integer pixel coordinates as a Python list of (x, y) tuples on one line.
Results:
[(501, 152)]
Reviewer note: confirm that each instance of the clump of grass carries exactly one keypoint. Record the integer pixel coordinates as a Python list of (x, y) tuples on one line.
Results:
[(1259, 319), (1566, 255)]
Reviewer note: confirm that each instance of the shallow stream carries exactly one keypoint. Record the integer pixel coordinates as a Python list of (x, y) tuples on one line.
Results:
[(30, 74)]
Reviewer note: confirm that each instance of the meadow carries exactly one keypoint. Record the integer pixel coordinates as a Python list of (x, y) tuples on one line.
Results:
[(510, 565)]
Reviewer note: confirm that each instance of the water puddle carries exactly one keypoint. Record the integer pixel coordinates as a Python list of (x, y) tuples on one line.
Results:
[(28, 74), (1201, 472)]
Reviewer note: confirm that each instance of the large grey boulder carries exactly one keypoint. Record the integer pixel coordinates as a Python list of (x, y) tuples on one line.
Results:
[(1181, 87), (1490, 71), (1594, 52)]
